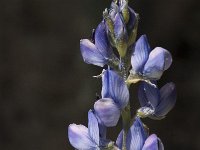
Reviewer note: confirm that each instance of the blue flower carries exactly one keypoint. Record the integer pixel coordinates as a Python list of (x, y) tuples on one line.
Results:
[(156, 103), (100, 52), (153, 143), (138, 139), (147, 64), (135, 138), (83, 138), (115, 97)]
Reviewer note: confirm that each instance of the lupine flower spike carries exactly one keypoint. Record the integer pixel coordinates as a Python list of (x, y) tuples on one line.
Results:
[(114, 46)]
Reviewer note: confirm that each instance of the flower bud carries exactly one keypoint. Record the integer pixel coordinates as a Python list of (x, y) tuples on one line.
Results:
[(121, 36), (124, 10)]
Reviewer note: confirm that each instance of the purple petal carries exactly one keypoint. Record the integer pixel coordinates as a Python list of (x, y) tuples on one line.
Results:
[(79, 137), (136, 136), (101, 41), (119, 27), (120, 139), (151, 143), (168, 99), (159, 60), (142, 96), (93, 127), (107, 111), (114, 87), (90, 53), (121, 36), (132, 19), (152, 94), (102, 131), (140, 54)]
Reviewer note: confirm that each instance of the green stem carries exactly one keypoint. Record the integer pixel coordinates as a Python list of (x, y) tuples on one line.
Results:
[(126, 118)]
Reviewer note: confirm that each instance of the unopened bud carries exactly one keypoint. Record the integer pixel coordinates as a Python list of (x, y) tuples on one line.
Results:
[(121, 36), (125, 11), (108, 20)]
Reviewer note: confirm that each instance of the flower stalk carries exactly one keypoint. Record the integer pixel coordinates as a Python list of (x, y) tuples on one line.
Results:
[(132, 62)]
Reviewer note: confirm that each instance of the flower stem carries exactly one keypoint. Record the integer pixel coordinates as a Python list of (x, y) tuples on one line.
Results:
[(126, 117)]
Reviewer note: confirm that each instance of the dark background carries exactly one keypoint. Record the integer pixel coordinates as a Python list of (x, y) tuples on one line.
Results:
[(45, 85)]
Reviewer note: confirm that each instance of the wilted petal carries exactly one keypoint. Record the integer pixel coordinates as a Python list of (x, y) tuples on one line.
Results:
[(90, 53), (93, 127), (107, 111), (144, 112), (168, 99), (151, 143), (79, 137), (101, 40), (136, 136), (159, 60), (149, 93), (113, 86), (140, 54)]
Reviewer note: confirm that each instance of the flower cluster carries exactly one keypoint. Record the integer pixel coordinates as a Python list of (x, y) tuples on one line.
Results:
[(125, 61)]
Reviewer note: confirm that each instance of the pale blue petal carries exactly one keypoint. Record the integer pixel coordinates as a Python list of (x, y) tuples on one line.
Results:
[(79, 137), (136, 136), (120, 139), (107, 111), (168, 99), (114, 87), (140, 54), (152, 93), (93, 127), (151, 143), (159, 60), (101, 41), (90, 53)]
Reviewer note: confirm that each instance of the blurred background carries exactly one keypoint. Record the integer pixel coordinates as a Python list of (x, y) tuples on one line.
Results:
[(45, 85)]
